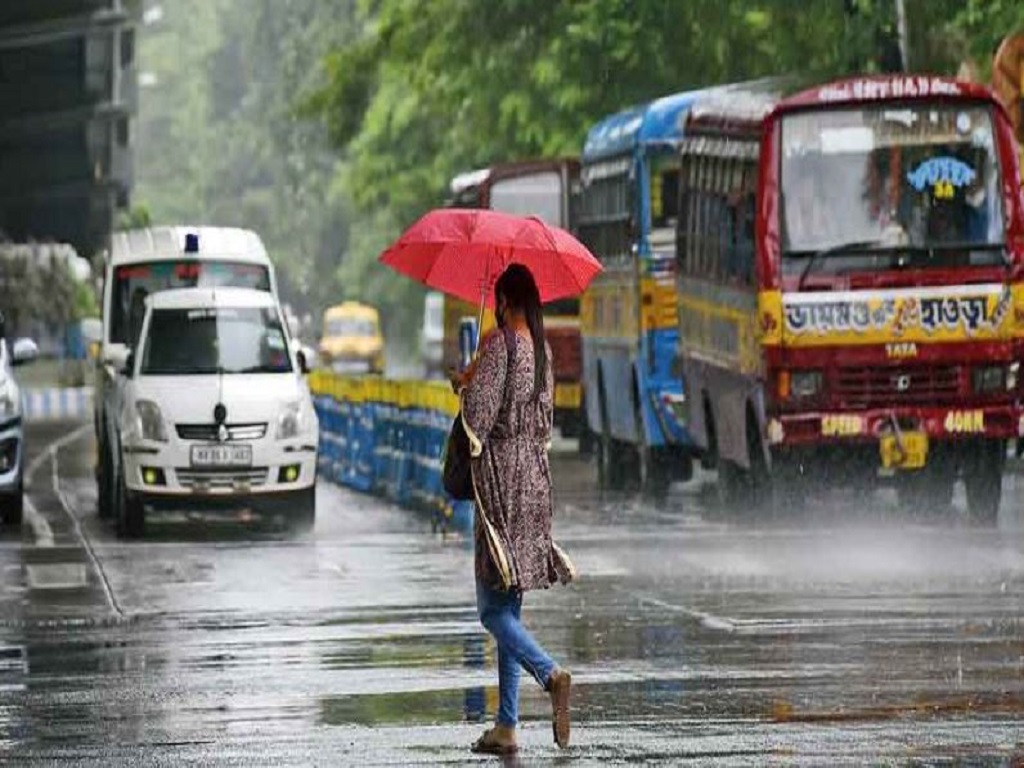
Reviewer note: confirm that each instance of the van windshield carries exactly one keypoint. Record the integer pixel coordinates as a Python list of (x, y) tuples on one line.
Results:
[(227, 340), (134, 282)]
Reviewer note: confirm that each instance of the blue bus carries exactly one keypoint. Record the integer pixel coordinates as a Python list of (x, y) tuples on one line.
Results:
[(626, 214)]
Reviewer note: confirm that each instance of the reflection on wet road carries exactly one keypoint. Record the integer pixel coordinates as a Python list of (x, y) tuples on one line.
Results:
[(846, 635)]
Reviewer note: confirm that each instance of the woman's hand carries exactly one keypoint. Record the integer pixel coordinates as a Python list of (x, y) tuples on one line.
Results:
[(460, 379)]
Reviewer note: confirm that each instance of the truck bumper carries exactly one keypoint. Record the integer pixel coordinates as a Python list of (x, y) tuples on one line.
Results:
[(869, 426)]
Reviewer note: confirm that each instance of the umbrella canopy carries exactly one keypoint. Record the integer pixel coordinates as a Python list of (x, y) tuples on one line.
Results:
[(462, 252)]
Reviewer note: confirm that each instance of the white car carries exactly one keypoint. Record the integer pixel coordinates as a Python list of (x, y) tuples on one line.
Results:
[(12, 434), (144, 262), (216, 413)]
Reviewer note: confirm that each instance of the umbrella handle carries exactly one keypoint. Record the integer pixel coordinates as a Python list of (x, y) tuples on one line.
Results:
[(480, 314)]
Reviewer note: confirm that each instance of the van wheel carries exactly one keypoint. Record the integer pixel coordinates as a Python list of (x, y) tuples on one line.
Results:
[(131, 514)]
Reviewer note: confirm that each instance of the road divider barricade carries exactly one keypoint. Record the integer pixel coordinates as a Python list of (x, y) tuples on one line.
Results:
[(56, 404), (387, 437)]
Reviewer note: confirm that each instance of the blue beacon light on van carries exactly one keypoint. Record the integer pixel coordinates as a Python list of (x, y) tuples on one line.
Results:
[(191, 243)]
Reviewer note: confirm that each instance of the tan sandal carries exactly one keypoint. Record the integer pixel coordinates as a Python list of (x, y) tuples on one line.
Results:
[(560, 688), (499, 740)]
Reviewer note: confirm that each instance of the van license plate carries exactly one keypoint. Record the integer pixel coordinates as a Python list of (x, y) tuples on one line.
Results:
[(914, 453), (221, 455)]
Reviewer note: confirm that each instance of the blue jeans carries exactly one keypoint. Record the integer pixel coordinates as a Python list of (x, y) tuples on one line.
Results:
[(499, 613)]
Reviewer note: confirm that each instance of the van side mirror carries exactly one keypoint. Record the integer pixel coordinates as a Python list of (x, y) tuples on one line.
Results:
[(303, 361), (129, 365)]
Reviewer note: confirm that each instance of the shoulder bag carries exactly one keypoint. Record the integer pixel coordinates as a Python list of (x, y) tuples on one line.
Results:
[(457, 473)]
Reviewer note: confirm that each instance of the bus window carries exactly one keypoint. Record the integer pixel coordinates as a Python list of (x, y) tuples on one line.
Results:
[(538, 194), (746, 222)]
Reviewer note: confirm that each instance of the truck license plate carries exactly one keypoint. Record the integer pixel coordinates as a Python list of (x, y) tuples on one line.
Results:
[(914, 453), (221, 455)]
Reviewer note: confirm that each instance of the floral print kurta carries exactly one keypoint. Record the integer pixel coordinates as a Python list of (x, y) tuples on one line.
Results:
[(511, 476)]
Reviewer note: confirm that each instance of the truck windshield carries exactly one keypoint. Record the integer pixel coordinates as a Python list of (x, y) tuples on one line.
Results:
[(221, 340), (134, 282), (920, 183)]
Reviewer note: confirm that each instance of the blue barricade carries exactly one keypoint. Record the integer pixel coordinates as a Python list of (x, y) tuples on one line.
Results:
[(387, 437)]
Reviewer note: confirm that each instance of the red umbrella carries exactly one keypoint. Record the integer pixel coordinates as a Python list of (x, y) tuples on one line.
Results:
[(462, 252)]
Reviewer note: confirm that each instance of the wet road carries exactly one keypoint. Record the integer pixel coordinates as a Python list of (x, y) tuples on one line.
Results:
[(849, 636)]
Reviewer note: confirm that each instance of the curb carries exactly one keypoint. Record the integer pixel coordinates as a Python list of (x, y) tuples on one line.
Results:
[(56, 404)]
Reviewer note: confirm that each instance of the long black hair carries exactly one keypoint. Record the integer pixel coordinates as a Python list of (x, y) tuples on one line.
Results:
[(517, 287)]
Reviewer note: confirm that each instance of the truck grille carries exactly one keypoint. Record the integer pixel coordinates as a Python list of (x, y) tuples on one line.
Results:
[(208, 432), (921, 385), (220, 479)]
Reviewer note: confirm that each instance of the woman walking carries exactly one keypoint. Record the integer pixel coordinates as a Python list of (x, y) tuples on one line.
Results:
[(507, 410)]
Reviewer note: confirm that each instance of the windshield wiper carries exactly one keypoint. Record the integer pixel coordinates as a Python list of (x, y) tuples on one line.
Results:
[(853, 245)]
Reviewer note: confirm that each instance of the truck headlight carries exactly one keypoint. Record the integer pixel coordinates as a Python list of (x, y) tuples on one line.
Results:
[(990, 378), (804, 384), (291, 421), (1012, 376), (150, 421)]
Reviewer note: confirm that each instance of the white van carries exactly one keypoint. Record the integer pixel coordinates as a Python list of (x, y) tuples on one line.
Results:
[(246, 433), (146, 261)]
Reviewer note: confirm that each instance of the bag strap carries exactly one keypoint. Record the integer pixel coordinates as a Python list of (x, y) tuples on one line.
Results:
[(510, 347)]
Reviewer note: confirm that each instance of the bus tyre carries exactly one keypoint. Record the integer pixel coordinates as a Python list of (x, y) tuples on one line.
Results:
[(653, 471), (734, 489), (682, 466), (983, 481), (610, 471), (587, 439), (131, 514), (786, 487), (765, 492)]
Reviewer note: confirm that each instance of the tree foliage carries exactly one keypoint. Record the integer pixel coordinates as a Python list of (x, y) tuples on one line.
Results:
[(220, 141), (329, 125), (425, 90)]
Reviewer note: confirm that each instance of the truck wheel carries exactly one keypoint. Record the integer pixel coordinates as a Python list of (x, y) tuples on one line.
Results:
[(983, 481), (926, 493), (131, 515), (13, 506)]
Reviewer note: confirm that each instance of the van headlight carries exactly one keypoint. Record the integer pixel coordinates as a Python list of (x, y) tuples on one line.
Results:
[(150, 421), (291, 421)]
